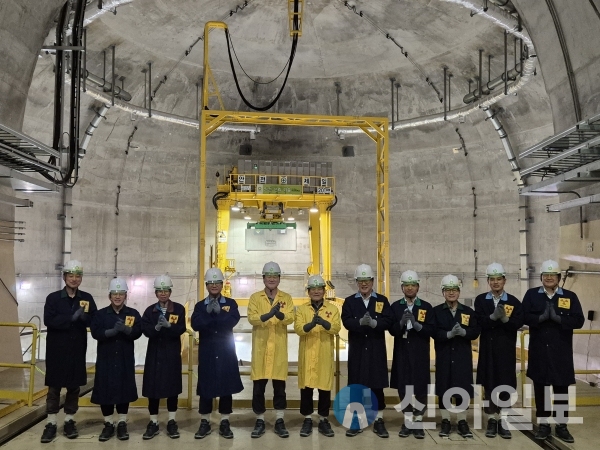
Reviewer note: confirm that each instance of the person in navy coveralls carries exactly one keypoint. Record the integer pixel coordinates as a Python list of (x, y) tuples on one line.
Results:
[(163, 323), (500, 315), (412, 328), (366, 315), (218, 370), (115, 327), (552, 314), (456, 326), (67, 314)]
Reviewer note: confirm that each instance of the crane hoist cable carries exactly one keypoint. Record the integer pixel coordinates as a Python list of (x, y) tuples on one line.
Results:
[(295, 26)]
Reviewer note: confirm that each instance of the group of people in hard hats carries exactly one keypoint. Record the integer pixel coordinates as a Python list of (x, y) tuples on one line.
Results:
[(551, 312), (69, 311)]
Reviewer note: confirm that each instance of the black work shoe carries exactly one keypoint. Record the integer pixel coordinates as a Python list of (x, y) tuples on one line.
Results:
[(446, 428), (504, 433), (563, 434), (259, 429), (418, 431), (107, 432), (351, 432), (225, 430), (325, 428), (404, 431), (492, 428), (204, 429), (70, 430), (543, 431), (151, 431), (49, 433), (306, 429), (122, 433), (280, 429), (463, 429), (379, 428), (172, 429)]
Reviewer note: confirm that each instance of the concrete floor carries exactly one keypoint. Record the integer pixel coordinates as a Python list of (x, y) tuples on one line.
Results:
[(89, 423)]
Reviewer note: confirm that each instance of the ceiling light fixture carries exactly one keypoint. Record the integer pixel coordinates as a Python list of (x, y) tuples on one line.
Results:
[(314, 209)]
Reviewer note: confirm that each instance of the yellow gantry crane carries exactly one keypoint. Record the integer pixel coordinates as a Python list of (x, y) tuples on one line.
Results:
[(261, 195)]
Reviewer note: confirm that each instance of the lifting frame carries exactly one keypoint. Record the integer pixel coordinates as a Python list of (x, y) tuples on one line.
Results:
[(374, 127)]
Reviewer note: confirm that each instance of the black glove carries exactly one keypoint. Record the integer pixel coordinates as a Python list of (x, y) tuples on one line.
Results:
[(77, 314), (309, 326), (404, 318), (324, 323), (110, 333), (553, 316), (121, 327), (546, 314)]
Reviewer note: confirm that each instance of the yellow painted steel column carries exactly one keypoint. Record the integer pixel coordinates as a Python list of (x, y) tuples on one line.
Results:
[(222, 235), (314, 235), (201, 207), (34, 338), (326, 243), (383, 225)]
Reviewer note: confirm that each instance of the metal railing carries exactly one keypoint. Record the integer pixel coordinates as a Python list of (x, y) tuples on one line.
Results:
[(39, 336), (524, 357), (20, 395)]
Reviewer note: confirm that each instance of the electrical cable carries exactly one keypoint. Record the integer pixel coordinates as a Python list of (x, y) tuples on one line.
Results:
[(198, 39), (252, 79), (295, 27)]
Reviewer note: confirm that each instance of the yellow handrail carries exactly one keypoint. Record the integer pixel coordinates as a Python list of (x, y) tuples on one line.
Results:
[(31, 365), (524, 356)]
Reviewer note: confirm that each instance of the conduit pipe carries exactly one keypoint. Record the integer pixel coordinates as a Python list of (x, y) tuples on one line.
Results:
[(89, 132), (167, 117), (493, 13), (107, 86), (504, 21)]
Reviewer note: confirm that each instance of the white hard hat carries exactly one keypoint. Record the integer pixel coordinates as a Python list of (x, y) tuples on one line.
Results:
[(118, 285), (409, 277), (315, 281), (550, 266), (495, 270), (214, 275), (163, 282), (364, 272), (73, 266), (450, 282), (271, 268)]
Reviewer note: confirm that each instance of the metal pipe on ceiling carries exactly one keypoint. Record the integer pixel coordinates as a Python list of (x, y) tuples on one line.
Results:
[(167, 117)]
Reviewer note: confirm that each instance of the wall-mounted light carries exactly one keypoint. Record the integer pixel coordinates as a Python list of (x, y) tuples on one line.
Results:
[(25, 285), (138, 282), (300, 212), (243, 280)]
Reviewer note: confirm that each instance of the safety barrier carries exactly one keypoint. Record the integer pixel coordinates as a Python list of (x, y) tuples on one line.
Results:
[(23, 398), (524, 353)]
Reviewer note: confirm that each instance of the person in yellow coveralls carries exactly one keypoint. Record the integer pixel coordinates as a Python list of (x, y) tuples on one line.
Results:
[(316, 322), (270, 311)]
